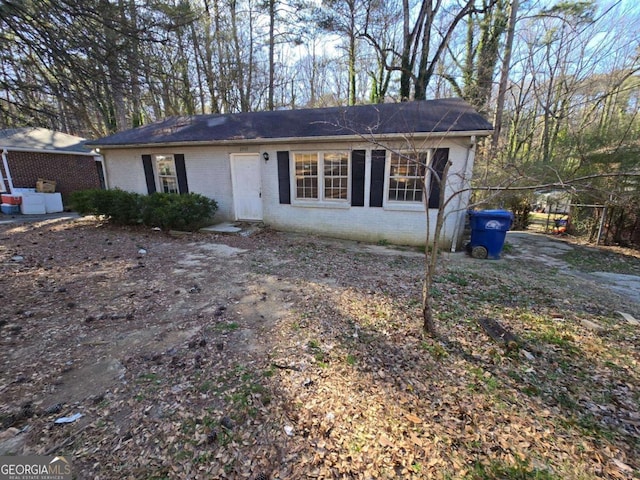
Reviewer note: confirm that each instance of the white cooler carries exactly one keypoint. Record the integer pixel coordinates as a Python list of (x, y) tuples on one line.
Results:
[(53, 202), (33, 204)]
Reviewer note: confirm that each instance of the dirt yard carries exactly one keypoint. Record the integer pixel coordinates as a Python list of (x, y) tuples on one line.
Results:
[(284, 356)]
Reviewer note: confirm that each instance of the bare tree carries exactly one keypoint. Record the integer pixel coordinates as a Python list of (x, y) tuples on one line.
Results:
[(346, 17)]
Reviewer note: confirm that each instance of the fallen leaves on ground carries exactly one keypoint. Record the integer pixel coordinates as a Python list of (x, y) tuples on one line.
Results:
[(291, 356)]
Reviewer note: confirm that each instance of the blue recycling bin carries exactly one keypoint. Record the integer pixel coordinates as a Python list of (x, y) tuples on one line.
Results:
[(488, 231)]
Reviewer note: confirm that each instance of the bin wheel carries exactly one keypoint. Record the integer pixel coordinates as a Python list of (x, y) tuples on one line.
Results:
[(479, 252)]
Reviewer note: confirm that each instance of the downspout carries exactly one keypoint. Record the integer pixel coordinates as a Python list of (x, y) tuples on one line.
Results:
[(6, 169), (460, 224), (100, 159)]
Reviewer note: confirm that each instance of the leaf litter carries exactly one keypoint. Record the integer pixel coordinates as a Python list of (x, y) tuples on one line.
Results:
[(291, 356)]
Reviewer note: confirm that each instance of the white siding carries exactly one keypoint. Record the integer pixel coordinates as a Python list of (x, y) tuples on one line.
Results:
[(209, 173)]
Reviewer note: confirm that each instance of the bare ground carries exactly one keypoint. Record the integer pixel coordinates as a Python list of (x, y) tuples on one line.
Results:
[(295, 357)]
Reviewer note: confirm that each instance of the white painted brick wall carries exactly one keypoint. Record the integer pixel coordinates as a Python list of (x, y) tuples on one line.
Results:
[(366, 223), (209, 173), (124, 170)]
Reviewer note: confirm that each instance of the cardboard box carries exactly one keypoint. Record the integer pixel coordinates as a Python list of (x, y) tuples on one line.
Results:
[(11, 199), (45, 186), (8, 209)]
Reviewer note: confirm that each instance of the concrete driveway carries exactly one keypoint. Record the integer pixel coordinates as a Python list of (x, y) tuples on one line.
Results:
[(550, 250), (4, 219)]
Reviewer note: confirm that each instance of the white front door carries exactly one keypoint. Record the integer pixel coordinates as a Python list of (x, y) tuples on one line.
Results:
[(247, 186)]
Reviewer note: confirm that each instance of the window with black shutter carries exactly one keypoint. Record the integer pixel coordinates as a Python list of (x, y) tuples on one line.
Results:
[(439, 161), (284, 178), (376, 195), (165, 173), (357, 178)]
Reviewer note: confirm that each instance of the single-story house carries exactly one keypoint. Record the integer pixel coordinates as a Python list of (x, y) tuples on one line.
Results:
[(350, 172), (29, 154)]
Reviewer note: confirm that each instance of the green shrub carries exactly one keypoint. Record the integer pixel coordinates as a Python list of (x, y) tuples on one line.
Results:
[(118, 206), (168, 211), (122, 208), (82, 201), (177, 212), (521, 209)]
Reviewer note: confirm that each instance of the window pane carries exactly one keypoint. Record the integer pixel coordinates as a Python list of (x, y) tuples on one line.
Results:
[(166, 172), (168, 185), (414, 190), (166, 165), (306, 175), (309, 183), (336, 175), (406, 176)]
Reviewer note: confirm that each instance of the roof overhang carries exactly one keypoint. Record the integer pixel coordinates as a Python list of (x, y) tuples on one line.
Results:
[(91, 153), (374, 138)]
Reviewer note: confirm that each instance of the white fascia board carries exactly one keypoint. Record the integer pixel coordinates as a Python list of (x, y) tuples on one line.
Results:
[(91, 153), (299, 140)]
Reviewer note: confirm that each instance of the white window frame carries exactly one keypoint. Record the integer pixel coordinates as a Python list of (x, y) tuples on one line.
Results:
[(321, 199), (389, 204), (316, 176), (157, 158), (340, 176)]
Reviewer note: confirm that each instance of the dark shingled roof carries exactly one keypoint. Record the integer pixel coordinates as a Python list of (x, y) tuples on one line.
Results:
[(428, 116)]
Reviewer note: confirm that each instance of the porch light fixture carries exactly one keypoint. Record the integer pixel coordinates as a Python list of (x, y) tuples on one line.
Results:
[(265, 155)]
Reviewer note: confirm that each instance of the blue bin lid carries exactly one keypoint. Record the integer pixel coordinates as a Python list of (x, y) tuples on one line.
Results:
[(491, 213)]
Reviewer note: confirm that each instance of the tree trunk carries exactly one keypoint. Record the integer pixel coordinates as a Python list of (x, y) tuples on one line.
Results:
[(223, 67), (182, 66), (207, 60), (406, 65), (352, 54), (504, 76), (272, 26), (114, 72), (197, 57), (239, 70), (133, 60), (431, 257), (422, 77), (428, 62), (493, 27), (428, 325), (248, 90)]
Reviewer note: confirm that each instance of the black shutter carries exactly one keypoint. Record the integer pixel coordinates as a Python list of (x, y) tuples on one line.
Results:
[(181, 173), (148, 174), (357, 178), (100, 168), (284, 179), (377, 178), (438, 164)]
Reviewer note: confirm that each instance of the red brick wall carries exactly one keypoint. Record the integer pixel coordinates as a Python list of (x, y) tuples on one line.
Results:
[(71, 172)]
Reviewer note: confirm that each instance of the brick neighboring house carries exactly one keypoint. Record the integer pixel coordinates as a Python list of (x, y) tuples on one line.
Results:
[(33, 153)]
